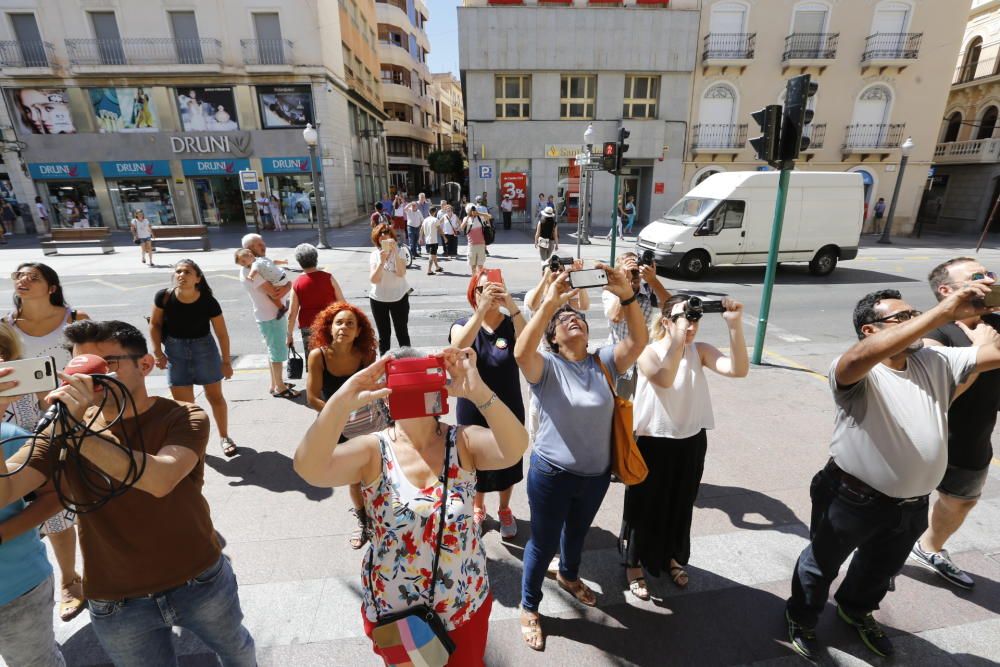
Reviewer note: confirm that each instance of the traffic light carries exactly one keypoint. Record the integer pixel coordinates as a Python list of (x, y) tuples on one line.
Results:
[(623, 134), (768, 144), (796, 116), (609, 157)]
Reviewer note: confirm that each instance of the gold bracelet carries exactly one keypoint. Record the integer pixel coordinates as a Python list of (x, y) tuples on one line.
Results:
[(487, 403)]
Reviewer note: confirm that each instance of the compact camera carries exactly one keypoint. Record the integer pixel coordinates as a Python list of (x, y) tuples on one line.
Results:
[(646, 259), (696, 307), (418, 387), (557, 263)]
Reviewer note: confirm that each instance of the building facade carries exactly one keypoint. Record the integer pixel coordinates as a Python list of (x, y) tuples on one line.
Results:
[(125, 106), (966, 180), (536, 74), (881, 79), (406, 85), (449, 120)]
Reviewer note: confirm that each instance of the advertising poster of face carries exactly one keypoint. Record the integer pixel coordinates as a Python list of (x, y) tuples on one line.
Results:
[(285, 106), (207, 109), (123, 110), (41, 110)]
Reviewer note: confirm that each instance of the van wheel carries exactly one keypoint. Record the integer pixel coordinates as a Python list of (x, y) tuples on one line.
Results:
[(695, 264), (824, 262)]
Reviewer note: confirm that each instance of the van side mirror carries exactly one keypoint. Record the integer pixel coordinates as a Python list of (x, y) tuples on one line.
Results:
[(707, 228)]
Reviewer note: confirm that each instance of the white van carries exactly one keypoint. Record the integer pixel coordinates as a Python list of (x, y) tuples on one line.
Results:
[(727, 219)]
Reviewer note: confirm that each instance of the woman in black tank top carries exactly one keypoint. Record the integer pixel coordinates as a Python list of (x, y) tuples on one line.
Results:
[(343, 342)]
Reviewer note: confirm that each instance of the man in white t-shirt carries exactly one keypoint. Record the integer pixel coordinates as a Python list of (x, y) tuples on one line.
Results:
[(266, 313), (889, 451), (414, 220), (506, 210), (430, 235)]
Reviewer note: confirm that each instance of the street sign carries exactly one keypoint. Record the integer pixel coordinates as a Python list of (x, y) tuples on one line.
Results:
[(249, 181), (485, 171), (591, 166)]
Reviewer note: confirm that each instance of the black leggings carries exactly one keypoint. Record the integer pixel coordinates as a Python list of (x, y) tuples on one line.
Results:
[(399, 312)]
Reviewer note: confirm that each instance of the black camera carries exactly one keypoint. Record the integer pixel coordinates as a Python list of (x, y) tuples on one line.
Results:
[(556, 263), (647, 258), (695, 308)]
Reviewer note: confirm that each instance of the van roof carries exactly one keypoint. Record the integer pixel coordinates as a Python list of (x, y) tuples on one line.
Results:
[(727, 181)]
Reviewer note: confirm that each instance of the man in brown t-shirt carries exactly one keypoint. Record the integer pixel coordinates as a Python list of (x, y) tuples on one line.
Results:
[(152, 559)]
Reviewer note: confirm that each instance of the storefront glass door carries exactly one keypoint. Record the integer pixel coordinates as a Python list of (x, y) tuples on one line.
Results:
[(151, 196), (73, 204), (221, 202)]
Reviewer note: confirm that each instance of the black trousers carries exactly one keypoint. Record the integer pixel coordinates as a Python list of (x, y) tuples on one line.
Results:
[(844, 519), (506, 219), (451, 245), (399, 313)]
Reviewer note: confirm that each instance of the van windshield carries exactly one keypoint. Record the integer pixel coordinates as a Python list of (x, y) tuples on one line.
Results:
[(690, 211)]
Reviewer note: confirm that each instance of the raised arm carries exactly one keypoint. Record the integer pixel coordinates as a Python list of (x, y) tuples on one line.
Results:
[(737, 364), (648, 273), (463, 335), (629, 348), (45, 505), (529, 359)]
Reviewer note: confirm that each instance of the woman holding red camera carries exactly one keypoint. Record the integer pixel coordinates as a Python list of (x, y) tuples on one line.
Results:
[(492, 335), (571, 457), (342, 343), (403, 471)]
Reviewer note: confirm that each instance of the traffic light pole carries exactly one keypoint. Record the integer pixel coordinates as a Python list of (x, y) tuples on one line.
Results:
[(772, 261), (614, 220)]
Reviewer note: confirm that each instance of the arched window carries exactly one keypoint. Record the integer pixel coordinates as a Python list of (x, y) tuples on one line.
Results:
[(869, 124), (987, 123), (971, 60), (954, 125), (705, 173), (716, 117)]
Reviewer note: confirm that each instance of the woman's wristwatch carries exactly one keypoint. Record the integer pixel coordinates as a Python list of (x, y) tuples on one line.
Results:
[(630, 300)]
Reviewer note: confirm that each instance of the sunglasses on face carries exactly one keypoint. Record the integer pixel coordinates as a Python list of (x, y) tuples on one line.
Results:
[(979, 275), (26, 275), (901, 316), (115, 359)]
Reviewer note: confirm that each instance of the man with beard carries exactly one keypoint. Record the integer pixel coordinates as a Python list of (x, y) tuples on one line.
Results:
[(889, 451)]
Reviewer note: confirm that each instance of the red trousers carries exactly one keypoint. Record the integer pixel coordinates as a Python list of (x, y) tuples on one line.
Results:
[(469, 638)]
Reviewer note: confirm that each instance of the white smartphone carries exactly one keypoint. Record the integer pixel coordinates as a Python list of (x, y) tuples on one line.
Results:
[(584, 278), (387, 244), (33, 375)]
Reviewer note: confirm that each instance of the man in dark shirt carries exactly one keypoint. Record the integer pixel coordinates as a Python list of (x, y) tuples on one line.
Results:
[(971, 419)]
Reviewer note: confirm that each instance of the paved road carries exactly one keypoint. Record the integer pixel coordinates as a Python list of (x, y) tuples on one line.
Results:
[(300, 581)]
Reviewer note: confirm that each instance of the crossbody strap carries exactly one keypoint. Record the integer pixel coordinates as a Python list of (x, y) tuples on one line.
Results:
[(607, 375)]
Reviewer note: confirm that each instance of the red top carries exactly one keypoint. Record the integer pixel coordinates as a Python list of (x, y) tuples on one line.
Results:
[(315, 292)]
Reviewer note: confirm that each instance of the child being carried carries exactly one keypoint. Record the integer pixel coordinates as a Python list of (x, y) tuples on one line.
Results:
[(267, 269)]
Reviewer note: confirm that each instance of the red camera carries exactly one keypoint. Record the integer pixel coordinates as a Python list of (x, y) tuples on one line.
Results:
[(418, 387)]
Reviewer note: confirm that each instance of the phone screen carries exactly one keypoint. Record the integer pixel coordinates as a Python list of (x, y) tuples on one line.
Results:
[(387, 244)]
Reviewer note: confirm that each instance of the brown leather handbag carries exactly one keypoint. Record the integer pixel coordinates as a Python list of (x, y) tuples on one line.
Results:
[(626, 460)]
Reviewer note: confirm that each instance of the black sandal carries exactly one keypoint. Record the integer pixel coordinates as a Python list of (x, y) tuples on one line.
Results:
[(359, 537), (287, 392)]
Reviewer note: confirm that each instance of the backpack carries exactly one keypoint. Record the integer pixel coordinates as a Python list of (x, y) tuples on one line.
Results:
[(489, 233)]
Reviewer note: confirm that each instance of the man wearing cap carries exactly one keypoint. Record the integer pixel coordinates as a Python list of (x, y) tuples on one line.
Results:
[(506, 208), (546, 233)]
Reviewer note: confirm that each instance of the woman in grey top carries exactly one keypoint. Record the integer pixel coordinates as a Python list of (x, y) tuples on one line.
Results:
[(571, 460)]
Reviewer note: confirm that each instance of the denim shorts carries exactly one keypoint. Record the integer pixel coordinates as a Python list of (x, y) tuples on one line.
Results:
[(964, 484), (192, 361)]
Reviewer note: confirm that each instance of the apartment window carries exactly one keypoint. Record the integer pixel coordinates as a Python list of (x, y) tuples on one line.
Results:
[(513, 96), (109, 41), (29, 40), (347, 61), (270, 46), (576, 96), (641, 96), (186, 38)]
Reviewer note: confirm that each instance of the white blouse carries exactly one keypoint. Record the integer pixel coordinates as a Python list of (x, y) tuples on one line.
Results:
[(679, 411)]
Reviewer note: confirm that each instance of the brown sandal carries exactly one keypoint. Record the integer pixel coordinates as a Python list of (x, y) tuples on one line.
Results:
[(72, 601), (531, 631), (578, 590), (678, 575)]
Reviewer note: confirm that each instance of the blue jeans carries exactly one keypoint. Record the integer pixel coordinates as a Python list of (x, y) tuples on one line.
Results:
[(413, 236), (563, 505), (137, 632)]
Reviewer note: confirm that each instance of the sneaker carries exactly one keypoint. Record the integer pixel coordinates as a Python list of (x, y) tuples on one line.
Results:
[(802, 639), (508, 527), (870, 631), (940, 562), (553, 568)]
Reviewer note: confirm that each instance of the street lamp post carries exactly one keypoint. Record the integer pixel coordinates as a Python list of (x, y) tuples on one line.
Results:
[(311, 137), (582, 236), (905, 150)]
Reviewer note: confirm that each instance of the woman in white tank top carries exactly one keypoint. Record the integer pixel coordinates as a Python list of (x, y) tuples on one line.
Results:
[(40, 315), (673, 410)]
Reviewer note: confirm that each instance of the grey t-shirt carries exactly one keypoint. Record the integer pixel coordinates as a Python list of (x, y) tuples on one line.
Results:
[(575, 407), (891, 428)]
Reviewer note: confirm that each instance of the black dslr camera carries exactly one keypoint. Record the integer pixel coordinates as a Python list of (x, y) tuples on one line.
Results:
[(695, 308), (646, 259), (557, 263)]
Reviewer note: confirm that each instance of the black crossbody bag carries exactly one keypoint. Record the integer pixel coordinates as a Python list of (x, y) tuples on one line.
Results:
[(418, 631)]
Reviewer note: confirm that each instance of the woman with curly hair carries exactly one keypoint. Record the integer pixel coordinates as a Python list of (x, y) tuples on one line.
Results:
[(343, 343)]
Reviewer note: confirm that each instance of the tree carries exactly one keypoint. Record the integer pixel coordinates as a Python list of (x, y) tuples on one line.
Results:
[(450, 163)]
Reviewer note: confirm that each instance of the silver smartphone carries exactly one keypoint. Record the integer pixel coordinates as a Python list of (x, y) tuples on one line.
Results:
[(33, 375), (584, 278)]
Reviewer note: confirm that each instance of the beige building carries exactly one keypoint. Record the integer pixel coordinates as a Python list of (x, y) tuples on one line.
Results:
[(883, 70), (966, 179), (882, 78), (406, 86), (113, 107), (449, 117)]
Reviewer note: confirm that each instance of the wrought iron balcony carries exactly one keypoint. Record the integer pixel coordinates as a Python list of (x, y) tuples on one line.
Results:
[(811, 46), (25, 54), (875, 137), (817, 136), (266, 51), (144, 51), (977, 69), (729, 46), (892, 46), (715, 137)]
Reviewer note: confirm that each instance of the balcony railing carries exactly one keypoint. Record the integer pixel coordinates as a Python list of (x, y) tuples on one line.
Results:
[(875, 136), (144, 51), (811, 46), (817, 136), (718, 136), (979, 69), (729, 46), (25, 54), (977, 150), (892, 46), (266, 51)]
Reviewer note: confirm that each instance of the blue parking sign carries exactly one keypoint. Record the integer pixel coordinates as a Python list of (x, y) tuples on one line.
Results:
[(485, 171)]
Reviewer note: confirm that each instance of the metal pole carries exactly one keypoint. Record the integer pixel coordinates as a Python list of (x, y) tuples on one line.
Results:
[(772, 262), (581, 210), (614, 221), (892, 205), (989, 221), (583, 236), (321, 241)]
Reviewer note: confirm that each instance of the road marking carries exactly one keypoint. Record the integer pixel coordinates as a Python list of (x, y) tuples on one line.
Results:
[(794, 364)]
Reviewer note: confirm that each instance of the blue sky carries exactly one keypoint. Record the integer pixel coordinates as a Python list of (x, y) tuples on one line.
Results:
[(442, 31)]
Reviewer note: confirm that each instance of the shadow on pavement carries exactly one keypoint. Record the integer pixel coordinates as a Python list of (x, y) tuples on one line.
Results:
[(986, 593), (267, 470), (795, 274), (83, 650), (738, 503)]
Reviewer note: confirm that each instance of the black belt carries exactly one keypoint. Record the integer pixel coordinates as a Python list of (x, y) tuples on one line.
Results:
[(856, 485)]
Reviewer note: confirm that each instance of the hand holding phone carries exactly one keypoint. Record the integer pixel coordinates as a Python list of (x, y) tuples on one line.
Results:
[(584, 278), (494, 276), (32, 375), (387, 245), (993, 298)]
